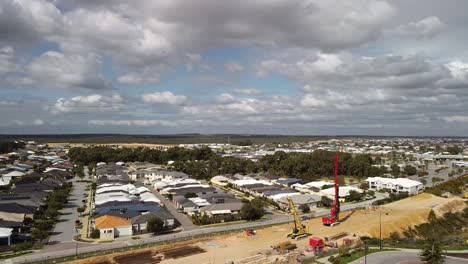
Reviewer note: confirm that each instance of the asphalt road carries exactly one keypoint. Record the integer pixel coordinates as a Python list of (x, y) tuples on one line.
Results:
[(182, 218), (65, 229), (400, 257)]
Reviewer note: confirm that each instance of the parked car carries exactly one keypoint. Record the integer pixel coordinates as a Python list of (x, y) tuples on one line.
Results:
[(305, 217)]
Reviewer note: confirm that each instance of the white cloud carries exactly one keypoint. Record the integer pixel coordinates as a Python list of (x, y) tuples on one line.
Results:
[(233, 66), (89, 104), (59, 70), (26, 21), (7, 60), (458, 69), (456, 119), (165, 98), (248, 91), (423, 29), (224, 98), (312, 102), (38, 122)]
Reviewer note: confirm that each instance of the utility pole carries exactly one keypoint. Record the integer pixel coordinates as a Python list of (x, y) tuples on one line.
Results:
[(380, 229), (365, 252)]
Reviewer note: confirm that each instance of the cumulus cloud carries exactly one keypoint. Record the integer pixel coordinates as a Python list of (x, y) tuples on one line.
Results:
[(224, 98), (248, 91), (165, 98), (233, 66), (423, 29), (27, 21), (59, 70), (90, 104), (7, 60)]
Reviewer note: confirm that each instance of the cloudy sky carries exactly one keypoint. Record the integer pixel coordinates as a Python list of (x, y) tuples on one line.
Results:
[(312, 67)]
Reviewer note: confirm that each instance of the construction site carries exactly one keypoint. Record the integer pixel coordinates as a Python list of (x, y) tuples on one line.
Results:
[(288, 243), (244, 247)]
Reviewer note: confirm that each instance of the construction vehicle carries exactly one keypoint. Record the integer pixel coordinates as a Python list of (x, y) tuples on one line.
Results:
[(250, 232), (334, 217), (299, 230)]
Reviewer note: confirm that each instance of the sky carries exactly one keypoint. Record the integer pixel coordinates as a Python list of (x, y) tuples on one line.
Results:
[(312, 67)]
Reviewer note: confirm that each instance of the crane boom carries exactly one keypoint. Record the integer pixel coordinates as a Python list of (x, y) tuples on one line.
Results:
[(334, 216), (299, 229)]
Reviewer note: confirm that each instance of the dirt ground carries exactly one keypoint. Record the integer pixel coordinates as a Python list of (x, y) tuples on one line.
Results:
[(395, 217)]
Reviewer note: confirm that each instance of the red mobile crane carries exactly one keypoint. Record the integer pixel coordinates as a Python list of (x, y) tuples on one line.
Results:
[(334, 216)]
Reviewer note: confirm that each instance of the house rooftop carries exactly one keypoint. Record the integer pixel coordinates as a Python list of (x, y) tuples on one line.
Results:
[(110, 221)]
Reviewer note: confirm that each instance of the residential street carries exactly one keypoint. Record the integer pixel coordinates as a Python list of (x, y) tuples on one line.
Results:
[(182, 218), (65, 228)]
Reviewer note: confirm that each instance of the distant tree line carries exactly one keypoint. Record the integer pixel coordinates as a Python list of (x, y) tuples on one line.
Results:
[(9, 146), (97, 154), (202, 163)]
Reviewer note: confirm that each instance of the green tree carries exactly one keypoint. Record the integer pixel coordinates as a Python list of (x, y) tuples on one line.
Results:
[(354, 196), (364, 186), (95, 233), (395, 170), (304, 208), (454, 150), (326, 202), (39, 234), (253, 210), (155, 225), (410, 170), (80, 210), (432, 250)]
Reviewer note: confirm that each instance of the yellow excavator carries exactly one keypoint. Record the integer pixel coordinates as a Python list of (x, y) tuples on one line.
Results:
[(299, 230)]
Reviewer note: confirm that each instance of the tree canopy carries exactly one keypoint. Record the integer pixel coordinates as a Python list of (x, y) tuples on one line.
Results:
[(202, 163)]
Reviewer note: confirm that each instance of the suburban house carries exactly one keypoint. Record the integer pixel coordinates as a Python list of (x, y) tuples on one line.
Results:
[(16, 212), (140, 222), (138, 206), (310, 200), (397, 185), (343, 192), (111, 227), (222, 209), (5, 235)]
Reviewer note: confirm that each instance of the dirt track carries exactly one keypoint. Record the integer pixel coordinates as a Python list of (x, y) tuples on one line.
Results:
[(395, 217)]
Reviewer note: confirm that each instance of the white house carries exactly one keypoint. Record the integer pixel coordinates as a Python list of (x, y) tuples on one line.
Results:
[(111, 227), (343, 192), (395, 185)]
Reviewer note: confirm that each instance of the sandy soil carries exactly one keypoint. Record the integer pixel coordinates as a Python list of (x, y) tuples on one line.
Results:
[(395, 217)]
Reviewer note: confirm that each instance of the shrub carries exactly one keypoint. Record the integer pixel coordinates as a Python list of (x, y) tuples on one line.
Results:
[(304, 208), (95, 233)]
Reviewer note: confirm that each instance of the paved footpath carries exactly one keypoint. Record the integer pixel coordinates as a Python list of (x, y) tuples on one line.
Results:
[(401, 257)]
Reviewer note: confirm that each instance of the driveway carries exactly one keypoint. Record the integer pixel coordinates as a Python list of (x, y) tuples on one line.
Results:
[(182, 218), (400, 257), (65, 229)]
